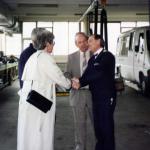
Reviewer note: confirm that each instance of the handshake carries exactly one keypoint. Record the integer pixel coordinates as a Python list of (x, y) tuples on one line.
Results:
[(75, 83)]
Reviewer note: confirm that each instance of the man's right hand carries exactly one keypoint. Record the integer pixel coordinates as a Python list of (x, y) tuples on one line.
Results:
[(75, 83)]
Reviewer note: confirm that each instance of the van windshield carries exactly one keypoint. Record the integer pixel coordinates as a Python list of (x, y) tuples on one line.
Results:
[(148, 39)]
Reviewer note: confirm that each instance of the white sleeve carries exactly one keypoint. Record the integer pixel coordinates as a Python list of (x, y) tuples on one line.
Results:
[(49, 66)]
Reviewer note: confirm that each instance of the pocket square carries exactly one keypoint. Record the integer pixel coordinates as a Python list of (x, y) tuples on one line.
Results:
[(96, 64)]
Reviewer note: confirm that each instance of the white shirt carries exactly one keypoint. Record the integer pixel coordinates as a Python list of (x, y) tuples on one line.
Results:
[(98, 52)]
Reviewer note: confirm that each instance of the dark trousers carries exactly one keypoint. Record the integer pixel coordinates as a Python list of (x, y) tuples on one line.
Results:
[(103, 109)]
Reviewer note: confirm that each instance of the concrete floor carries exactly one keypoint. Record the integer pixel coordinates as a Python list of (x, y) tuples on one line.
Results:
[(132, 120)]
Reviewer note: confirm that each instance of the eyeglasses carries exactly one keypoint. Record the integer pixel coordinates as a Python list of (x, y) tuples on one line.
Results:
[(52, 43)]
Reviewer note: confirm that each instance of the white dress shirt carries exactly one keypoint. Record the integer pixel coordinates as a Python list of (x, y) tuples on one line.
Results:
[(98, 52)]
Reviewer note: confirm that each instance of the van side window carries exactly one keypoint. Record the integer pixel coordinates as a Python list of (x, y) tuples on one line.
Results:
[(148, 39), (125, 46), (131, 41), (140, 46), (141, 42)]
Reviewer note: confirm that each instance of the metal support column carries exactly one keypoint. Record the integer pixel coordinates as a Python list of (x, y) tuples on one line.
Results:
[(96, 17), (104, 27)]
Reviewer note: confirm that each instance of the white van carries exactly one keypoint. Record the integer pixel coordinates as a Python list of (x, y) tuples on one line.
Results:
[(133, 57)]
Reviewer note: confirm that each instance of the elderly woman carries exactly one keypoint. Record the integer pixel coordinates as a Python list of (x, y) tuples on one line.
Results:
[(35, 128)]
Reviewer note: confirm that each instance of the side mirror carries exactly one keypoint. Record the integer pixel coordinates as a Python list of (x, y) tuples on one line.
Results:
[(136, 48)]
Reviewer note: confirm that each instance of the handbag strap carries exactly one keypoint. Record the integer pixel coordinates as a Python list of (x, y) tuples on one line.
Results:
[(36, 66), (31, 84), (54, 93)]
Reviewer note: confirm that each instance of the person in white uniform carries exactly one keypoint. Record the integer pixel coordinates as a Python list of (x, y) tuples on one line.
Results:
[(35, 128)]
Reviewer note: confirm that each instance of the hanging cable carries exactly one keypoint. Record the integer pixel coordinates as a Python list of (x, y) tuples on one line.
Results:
[(149, 12)]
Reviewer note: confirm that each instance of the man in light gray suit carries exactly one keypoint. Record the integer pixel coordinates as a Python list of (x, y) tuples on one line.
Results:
[(80, 100)]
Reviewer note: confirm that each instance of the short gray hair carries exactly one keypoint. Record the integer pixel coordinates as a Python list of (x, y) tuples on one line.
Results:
[(35, 32), (43, 37)]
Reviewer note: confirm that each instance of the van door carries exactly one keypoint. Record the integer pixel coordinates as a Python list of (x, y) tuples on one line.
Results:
[(131, 56), (139, 53), (125, 55), (147, 52)]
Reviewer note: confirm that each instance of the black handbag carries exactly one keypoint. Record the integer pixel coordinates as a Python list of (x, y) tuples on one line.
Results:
[(39, 101)]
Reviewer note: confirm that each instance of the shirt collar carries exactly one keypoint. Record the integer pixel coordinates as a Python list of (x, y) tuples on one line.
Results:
[(98, 51), (81, 53), (31, 46)]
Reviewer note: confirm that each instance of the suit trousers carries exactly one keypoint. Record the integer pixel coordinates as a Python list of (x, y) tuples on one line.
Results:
[(103, 110), (82, 109)]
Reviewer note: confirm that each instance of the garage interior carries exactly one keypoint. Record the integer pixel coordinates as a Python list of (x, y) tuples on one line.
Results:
[(132, 121)]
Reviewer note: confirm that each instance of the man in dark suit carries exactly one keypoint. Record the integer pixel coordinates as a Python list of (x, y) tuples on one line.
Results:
[(100, 75), (27, 53)]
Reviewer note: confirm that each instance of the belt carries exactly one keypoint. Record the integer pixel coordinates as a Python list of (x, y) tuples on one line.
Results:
[(85, 88)]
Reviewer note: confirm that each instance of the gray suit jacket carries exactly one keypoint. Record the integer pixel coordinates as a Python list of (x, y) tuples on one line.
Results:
[(73, 68), (73, 64)]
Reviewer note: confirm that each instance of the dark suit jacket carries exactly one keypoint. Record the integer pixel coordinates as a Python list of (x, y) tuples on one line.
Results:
[(100, 74), (23, 59)]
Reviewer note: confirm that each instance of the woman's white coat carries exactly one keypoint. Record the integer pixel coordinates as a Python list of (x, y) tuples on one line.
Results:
[(35, 128)]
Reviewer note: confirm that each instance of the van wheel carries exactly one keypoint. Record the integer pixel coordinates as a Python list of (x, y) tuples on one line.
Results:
[(144, 86)]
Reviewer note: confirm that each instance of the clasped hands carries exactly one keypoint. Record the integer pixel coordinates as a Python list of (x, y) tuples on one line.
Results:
[(75, 83)]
